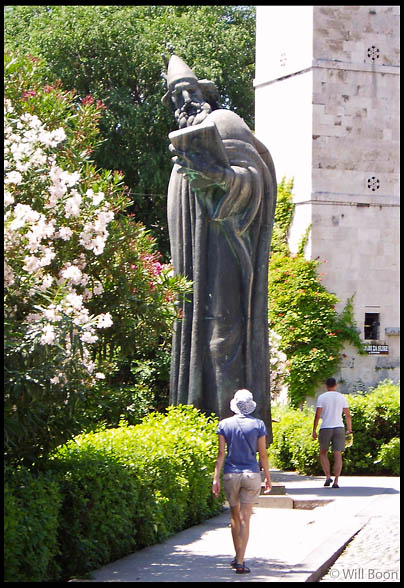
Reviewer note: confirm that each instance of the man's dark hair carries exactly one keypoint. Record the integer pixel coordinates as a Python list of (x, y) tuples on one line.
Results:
[(331, 382)]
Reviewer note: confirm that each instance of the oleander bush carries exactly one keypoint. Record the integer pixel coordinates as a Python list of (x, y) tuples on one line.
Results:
[(89, 306), (114, 491), (375, 424)]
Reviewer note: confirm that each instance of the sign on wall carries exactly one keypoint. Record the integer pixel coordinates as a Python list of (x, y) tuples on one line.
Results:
[(377, 349)]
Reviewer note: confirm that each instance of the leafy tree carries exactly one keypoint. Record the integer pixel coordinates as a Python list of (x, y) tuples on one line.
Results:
[(114, 53), (302, 311)]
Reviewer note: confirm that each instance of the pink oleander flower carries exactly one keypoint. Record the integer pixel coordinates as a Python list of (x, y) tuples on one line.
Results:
[(88, 337), (74, 300), (87, 100), (157, 268)]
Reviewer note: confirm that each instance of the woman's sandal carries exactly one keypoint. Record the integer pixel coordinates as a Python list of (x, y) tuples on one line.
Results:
[(233, 563), (242, 569)]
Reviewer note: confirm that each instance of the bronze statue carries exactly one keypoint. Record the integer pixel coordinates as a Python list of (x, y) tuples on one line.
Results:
[(221, 203)]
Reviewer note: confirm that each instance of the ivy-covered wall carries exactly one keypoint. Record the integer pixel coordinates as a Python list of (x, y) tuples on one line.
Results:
[(302, 313)]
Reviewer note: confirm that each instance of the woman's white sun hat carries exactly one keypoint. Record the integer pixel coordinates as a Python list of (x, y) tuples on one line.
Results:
[(243, 402)]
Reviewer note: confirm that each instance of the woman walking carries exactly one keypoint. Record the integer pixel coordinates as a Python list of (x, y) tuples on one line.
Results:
[(244, 436)]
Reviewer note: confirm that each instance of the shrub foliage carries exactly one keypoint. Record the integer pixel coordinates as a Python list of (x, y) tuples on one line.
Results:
[(375, 425), (31, 520), (113, 492)]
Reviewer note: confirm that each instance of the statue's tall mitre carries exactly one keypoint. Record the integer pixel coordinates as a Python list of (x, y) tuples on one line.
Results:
[(178, 70)]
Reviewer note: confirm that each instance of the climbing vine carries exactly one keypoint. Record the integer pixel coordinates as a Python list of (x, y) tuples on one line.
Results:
[(311, 333)]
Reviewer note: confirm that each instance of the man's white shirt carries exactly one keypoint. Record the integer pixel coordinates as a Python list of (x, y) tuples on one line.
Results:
[(332, 404)]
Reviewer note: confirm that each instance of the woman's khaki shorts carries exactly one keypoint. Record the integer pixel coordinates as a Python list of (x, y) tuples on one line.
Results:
[(244, 488), (335, 435)]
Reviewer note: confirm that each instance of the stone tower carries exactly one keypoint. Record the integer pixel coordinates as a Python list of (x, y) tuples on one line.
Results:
[(327, 107)]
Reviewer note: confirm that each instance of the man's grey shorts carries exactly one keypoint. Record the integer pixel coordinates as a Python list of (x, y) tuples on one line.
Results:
[(242, 488), (335, 435)]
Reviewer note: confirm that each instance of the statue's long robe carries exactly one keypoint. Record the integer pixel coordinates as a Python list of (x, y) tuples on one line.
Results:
[(220, 240)]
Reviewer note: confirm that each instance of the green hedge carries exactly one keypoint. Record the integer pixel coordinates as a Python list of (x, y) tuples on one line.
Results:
[(389, 456), (376, 426), (31, 509), (293, 447), (96, 523), (375, 422), (118, 490)]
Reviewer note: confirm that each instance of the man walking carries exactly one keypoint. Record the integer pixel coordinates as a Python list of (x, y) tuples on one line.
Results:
[(330, 406), (244, 436)]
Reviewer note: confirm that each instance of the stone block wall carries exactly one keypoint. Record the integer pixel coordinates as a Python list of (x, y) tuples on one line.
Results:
[(331, 121)]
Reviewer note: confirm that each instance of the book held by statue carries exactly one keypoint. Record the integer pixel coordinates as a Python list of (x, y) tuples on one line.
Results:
[(200, 138)]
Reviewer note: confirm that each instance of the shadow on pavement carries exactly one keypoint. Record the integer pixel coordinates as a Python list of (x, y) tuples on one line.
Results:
[(341, 491), (191, 567)]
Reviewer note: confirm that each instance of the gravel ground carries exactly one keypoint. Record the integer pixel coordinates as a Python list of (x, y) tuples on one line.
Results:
[(373, 555)]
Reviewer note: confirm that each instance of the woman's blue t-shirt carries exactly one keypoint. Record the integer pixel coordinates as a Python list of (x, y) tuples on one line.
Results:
[(240, 455)]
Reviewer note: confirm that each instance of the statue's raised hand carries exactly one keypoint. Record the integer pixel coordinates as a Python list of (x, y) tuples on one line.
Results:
[(201, 167)]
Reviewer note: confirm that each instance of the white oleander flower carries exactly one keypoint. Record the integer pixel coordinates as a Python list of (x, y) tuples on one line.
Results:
[(13, 177), (72, 273), (48, 335), (104, 321)]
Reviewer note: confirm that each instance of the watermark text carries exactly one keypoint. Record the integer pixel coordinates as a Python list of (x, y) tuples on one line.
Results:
[(364, 574)]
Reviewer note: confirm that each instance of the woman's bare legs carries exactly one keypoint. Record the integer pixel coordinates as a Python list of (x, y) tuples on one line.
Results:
[(240, 528)]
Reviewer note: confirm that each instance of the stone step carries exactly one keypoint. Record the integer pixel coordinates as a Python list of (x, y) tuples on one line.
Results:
[(276, 490), (268, 501), (273, 501)]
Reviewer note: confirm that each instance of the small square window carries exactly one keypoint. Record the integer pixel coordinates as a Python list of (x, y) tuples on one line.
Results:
[(372, 323)]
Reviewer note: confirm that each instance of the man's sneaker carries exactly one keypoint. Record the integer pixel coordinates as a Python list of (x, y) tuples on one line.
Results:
[(328, 482)]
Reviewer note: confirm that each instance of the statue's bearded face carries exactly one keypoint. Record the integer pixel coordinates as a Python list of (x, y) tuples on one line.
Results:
[(190, 106)]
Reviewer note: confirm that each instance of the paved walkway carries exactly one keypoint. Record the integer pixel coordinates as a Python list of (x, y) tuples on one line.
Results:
[(286, 545)]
